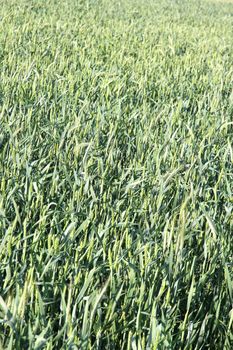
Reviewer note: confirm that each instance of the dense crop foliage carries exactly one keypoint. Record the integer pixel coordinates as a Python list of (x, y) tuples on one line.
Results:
[(116, 174)]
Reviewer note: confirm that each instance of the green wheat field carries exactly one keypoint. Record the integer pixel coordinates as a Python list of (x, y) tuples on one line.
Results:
[(116, 174)]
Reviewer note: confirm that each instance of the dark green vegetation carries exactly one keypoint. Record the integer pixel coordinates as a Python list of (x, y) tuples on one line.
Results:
[(116, 174)]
